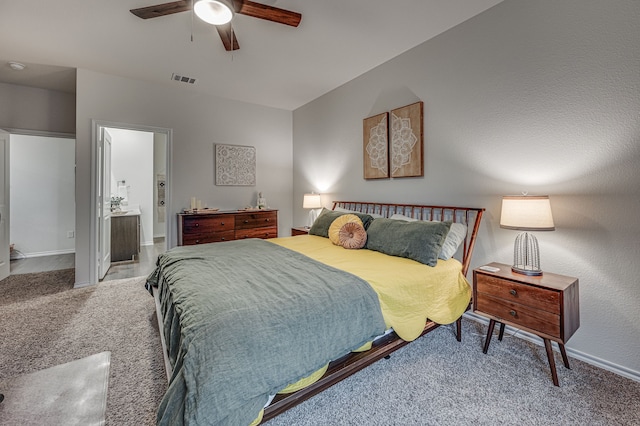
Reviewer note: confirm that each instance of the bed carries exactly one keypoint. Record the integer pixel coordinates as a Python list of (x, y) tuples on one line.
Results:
[(251, 328)]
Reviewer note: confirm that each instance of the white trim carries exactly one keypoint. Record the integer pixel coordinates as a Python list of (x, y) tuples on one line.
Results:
[(95, 125), (589, 359), (45, 253), (48, 134)]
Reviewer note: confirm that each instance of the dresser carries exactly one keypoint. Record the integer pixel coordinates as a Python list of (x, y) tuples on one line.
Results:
[(546, 305), (202, 228)]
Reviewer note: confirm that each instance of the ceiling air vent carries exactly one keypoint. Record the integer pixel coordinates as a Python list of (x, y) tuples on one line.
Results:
[(183, 79)]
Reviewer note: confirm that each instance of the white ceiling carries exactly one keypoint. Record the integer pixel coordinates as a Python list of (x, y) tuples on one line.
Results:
[(277, 65)]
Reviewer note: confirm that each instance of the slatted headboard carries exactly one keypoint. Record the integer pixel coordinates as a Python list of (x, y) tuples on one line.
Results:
[(469, 216)]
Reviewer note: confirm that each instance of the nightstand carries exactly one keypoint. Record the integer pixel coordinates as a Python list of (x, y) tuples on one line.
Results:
[(545, 305), (302, 230)]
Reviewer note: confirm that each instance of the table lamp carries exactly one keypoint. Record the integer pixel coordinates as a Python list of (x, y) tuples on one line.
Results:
[(526, 213), (312, 201)]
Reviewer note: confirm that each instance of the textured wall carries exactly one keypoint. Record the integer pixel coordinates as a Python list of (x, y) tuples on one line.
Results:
[(28, 108), (198, 122), (539, 96)]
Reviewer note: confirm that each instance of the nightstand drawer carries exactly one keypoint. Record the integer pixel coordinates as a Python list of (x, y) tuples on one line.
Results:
[(535, 297), (537, 320)]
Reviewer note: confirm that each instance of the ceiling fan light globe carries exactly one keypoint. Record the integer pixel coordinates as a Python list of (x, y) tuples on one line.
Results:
[(213, 12)]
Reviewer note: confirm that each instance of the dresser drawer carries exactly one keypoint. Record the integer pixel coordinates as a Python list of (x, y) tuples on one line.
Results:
[(194, 228), (270, 232), (202, 238), (256, 220), (207, 224), (540, 321), (511, 291)]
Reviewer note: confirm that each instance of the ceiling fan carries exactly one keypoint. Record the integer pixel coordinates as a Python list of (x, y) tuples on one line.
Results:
[(220, 13)]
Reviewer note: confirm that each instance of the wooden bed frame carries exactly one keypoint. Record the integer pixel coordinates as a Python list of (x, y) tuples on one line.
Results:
[(354, 362)]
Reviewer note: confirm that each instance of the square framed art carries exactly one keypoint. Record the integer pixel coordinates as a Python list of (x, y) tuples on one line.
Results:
[(235, 165)]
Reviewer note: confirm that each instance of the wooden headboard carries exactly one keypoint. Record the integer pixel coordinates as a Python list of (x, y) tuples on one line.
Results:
[(469, 216)]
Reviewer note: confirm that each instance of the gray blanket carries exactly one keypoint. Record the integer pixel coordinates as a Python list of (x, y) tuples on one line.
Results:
[(244, 319)]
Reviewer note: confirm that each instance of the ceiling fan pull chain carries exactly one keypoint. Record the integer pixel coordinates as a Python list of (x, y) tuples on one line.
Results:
[(191, 21)]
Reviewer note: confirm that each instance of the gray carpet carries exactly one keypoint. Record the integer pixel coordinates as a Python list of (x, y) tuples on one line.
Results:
[(59, 327), (433, 381), (21, 287), (70, 394)]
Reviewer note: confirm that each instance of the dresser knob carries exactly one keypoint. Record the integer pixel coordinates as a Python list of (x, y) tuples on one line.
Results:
[(513, 292), (512, 313), (222, 223), (246, 221), (197, 224), (223, 239), (268, 220)]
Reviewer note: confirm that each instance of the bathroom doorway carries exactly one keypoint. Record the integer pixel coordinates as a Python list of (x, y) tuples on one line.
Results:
[(135, 187)]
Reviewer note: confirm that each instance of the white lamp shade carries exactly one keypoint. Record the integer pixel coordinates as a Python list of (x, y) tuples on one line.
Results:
[(526, 213), (311, 201), (214, 12)]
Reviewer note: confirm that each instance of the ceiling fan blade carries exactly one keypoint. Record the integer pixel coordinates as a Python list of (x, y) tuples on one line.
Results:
[(227, 35), (162, 9), (270, 13)]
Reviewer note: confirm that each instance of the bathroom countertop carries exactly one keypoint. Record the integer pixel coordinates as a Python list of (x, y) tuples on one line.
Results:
[(132, 212)]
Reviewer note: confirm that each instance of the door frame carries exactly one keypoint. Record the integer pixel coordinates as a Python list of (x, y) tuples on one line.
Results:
[(96, 126), (5, 217), (103, 209), (27, 132)]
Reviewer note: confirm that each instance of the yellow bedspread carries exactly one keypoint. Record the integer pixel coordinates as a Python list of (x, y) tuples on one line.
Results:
[(409, 291)]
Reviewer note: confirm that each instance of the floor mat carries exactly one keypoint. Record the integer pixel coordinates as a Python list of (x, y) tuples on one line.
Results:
[(74, 393)]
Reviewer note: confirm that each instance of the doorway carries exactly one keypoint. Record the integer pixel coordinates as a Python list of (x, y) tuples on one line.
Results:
[(131, 170), (42, 202)]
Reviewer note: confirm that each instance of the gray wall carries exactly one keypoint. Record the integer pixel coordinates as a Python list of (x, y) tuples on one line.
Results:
[(539, 96), (42, 195), (28, 108), (198, 122)]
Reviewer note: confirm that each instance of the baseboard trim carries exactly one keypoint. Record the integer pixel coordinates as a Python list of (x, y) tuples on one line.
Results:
[(46, 253), (589, 359), (82, 284)]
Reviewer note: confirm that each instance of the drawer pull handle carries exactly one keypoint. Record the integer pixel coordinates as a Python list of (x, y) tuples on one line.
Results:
[(512, 313), (197, 224), (223, 239), (268, 220), (246, 221), (513, 292), (197, 241), (222, 223)]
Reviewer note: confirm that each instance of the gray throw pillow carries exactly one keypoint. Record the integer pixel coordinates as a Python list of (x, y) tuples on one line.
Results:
[(321, 226), (419, 241)]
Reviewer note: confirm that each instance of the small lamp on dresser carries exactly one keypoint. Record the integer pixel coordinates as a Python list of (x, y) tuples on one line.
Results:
[(312, 201), (526, 213)]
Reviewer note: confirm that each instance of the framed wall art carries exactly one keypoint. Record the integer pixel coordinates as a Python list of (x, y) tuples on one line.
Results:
[(235, 165), (406, 141), (376, 146)]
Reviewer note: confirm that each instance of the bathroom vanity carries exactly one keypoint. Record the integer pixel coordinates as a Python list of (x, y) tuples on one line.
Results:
[(125, 235)]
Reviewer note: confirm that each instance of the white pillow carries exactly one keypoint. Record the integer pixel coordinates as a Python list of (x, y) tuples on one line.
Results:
[(340, 209), (455, 237)]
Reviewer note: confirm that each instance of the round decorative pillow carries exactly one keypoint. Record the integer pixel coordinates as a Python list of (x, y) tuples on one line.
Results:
[(352, 236), (334, 228)]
